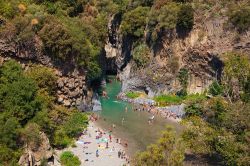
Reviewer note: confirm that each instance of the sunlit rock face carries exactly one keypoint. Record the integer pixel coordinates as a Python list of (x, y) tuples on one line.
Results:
[(200, 52)]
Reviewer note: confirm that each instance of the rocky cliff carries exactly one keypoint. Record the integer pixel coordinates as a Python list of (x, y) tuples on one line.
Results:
[(200, 52), (72, 88)]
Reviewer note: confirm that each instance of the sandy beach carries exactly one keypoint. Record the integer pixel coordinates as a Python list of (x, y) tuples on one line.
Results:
[(87, 145)]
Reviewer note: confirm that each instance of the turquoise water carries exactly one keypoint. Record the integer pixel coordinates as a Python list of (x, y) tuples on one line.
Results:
[(135, 128)]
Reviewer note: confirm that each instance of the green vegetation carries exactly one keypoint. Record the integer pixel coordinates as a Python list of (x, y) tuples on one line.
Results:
[(240, 17), (167, 151), (217, 126), (236, 75), (133, 95), (185, 20), (141, 55), (220, 125), (215, 89), (28, 108), (134, 21), (68, 31), (165, 100), (168, 99), (67, 158), (183, 79)]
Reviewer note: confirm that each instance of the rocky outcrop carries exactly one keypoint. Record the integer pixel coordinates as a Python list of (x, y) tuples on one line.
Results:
[(72, 90), (200, 52), (34, 156), (117, 48)]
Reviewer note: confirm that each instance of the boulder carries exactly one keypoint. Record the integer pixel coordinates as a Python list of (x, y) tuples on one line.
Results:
[(60, 99), (60, 83), (66, 103)]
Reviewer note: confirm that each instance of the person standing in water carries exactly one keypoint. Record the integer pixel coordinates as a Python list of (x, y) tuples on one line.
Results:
[(126, 109), (123, 120)]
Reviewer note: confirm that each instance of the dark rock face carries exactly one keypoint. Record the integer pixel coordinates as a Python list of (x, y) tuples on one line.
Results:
[(117, 51), (199, 52)]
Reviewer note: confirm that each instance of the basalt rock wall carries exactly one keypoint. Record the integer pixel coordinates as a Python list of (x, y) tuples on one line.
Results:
[(72, 90), (200, 52)]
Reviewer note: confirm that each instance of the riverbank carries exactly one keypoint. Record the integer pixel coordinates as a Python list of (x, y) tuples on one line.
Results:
[(172, 112), (95, 148)]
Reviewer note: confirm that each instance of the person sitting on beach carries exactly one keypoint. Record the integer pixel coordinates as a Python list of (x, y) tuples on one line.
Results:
[(107, 145), (126, 144), (119, 153)]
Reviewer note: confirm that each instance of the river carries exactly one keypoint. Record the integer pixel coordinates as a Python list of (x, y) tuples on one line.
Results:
[(135, 129)]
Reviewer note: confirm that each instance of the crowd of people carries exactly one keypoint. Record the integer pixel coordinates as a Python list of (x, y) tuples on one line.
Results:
[(148, 105), (103, 137)]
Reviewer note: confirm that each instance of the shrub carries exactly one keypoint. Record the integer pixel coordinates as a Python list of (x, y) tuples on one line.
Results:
[(240, 18), (141, 55), (44, 77), (75, 125), (67, 158), (183, 79), (61, 140), (31, 135), (7, 9), (185, 20), (215, 89)]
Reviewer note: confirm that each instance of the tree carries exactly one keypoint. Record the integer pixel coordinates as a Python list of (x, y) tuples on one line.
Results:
[(9, 132), (185, 20), (45, 78), (199, 135), (10, 71), (134, 21), (236, 75), (183, 79), (168, 151)]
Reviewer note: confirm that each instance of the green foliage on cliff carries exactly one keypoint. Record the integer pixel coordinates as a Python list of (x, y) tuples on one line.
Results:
[(215, 89), (134, 21), (28, 108), (141, 55), (185, 19), (240, 18), (67, 158), (223, 121), (183, 77)]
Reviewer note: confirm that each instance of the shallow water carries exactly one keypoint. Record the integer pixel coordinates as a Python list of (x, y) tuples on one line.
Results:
[(135, 129)]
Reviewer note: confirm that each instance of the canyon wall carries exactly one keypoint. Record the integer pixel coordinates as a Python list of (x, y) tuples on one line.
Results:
[(200, 52), (72, 90)]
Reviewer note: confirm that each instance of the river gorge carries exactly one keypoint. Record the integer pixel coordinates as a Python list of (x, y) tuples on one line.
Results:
[(135, 129)]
